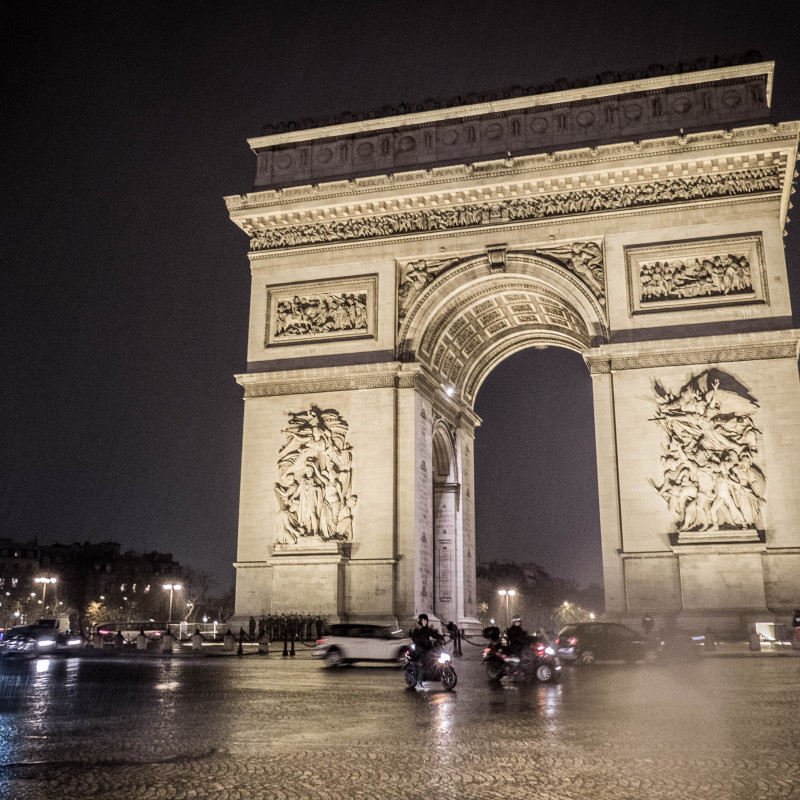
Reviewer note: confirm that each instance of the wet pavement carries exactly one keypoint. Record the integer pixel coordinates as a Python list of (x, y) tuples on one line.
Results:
[(256, 727)]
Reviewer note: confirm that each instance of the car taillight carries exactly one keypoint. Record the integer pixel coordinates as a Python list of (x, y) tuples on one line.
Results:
[(539, 649), (573, 640)]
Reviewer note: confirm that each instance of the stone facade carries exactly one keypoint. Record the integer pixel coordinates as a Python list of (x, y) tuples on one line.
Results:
[(385, 296)]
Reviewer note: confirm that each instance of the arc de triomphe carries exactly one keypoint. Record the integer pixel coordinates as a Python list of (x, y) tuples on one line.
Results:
[(395, 261)]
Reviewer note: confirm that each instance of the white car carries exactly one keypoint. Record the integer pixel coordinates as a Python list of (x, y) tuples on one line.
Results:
[(349, 642)]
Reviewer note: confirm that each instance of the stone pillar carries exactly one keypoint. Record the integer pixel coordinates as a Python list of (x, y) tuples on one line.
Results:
[(608, 486), (445, 505)]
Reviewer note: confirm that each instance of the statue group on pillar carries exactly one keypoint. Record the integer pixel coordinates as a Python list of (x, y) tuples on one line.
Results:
[(711, 480), (314, 489)]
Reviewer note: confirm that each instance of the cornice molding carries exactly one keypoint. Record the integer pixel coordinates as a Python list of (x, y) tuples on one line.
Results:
[(690, 352)]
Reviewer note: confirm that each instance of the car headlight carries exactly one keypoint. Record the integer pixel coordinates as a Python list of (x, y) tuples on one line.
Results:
[(550, 651), (444, 658), (45, 642), (74, 642)]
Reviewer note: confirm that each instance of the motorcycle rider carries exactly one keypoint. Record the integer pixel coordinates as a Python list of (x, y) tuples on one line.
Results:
[(516, 636), (424, 639)]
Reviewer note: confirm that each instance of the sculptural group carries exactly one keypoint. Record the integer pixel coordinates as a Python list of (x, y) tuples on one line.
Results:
[(713, 276), (710, 478), (320, 313), (314, 478)]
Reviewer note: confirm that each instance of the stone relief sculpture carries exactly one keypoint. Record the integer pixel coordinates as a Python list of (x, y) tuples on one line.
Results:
[(320, 313), (576, 201), (585, 259), (314, 478), (414, 277), (710, 480), (707, 276)]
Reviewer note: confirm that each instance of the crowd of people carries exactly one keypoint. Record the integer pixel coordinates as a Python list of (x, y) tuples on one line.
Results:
[(297, 627)]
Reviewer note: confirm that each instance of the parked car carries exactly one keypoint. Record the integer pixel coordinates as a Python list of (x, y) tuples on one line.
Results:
[(45, 637), (349, 642), (587, 642)]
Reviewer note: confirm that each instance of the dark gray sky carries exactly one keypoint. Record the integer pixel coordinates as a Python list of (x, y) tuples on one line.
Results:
[(125, 286)]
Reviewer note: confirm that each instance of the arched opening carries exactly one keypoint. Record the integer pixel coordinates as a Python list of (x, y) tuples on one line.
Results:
[(446, 507), (471, 321), (536, 494)]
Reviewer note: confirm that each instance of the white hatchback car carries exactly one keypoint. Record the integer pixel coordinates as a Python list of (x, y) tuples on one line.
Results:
[(349, 642)]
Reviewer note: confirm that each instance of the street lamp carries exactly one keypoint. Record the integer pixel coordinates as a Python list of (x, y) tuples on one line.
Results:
[(507, 593), (44, 582), (173, 587)]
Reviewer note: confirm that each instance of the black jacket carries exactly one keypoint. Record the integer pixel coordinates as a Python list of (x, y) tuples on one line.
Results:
[(424, 637)]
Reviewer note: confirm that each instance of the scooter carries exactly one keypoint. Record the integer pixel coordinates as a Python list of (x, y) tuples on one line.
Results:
[(438, 668), (536, 660)]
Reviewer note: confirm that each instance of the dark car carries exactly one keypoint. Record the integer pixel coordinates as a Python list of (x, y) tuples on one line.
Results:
[(43, 638), (588, 642)]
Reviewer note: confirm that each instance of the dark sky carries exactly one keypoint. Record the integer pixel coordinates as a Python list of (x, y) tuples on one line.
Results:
[(125, 285)]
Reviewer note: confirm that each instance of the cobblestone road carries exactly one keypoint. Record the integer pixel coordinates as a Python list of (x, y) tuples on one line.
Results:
[(254, 727)]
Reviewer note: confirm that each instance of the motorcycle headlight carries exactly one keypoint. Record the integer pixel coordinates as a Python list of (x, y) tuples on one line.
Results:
[(444, 658), (550, 651)]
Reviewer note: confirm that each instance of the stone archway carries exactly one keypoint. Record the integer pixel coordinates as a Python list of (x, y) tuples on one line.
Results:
[(385, 289), (480, 310)]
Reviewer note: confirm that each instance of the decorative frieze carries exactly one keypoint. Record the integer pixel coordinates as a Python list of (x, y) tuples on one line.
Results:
[(701, 273), (321, 310), (587, 199), (690, 351)]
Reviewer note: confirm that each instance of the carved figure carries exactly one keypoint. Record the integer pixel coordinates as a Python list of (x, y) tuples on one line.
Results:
[(585, 259), (314, 478), (710, 480), (414, 277), (719, 275), (320, 313)]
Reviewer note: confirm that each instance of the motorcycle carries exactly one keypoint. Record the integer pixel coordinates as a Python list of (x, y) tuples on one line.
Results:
[(438, 668), (536, 661)]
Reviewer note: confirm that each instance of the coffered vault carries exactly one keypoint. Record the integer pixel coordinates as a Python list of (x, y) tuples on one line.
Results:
[(396, 261)]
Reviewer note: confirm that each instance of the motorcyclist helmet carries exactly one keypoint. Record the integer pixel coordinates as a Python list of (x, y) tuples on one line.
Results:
[(516, 620), (422, 618)]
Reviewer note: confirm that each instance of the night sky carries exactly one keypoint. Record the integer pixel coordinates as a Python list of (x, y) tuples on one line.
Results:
[(125, 285)]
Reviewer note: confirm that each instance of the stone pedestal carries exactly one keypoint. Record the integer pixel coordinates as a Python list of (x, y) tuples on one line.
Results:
[(309, 578), (723, 579)]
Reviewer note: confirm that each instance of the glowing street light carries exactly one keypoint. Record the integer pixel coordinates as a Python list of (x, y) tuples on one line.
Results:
[(507, 593), (173, 587), (44, 582)]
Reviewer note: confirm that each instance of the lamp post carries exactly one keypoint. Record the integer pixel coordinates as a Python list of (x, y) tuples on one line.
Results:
[(173, 587), (44, 582), (507, 593)]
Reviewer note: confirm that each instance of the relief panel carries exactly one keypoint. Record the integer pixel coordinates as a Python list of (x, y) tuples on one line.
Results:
[(712, 480), (676, 276), (321, 310)]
